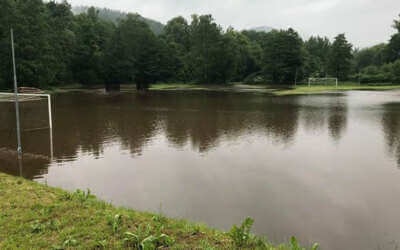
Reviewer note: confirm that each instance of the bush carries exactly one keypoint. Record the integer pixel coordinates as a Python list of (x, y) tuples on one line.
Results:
[(376, 78), (387, 73)]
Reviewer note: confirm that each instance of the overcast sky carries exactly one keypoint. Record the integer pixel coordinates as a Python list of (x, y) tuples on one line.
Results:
[(365, 22)]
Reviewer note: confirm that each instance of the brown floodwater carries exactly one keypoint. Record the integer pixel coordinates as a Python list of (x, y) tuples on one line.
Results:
[(325, 168)]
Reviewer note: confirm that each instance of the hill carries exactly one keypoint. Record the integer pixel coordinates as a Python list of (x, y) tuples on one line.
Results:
[(115, 15), (262, 29)]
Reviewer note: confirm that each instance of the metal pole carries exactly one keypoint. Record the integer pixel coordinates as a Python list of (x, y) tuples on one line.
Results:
[(51, 127), (50, 115), (19, 149)]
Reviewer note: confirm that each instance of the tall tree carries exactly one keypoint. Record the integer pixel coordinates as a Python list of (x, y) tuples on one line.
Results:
[(370, 56), (62, 39), (7, 13), (36, 63), (318, 49), (283, 56), (135, 53), (177, 37), (92, 35), (205, 39), (393, 48), (340, 57)]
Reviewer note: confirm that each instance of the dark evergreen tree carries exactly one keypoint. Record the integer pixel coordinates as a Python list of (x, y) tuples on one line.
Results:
[(317, 51), (135, 53), (283, 56), (393, 48), (340, 58)]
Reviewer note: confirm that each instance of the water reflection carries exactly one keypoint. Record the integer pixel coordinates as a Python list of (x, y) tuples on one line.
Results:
[(325, 111), (391, 129), (87, 123), (311, 166)]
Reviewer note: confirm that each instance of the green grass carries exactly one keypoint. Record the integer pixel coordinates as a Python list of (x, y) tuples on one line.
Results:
[(298, 90), (35, 216), (278, 90), (174, 86)]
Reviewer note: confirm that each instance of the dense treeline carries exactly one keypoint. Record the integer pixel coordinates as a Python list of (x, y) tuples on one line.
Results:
[(54, 47)]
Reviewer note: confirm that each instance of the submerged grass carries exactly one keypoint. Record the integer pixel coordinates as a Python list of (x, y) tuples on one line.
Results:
[(299, 90), (35, 216), (278, 90)]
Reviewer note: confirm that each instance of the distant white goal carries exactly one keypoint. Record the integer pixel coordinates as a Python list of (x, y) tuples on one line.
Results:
[(323, 81)]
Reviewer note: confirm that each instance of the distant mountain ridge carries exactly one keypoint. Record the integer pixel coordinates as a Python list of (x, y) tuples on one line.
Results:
[(262, 29), (115, 15)]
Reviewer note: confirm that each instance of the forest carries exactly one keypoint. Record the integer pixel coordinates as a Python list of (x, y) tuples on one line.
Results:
[(57, 46)]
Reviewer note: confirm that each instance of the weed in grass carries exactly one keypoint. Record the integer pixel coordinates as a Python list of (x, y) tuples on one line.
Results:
[(154, 242), (54, 225), (294, 245), (196, 230), (115, 222), (241, 235), (149, 242), (70, 242), (57, 247), (66, 196), (101, 244), (37, 227), (81, 195), (131, 240), (160, 218)]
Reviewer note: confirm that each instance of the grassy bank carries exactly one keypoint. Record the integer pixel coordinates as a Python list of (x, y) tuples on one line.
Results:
[(35, 216)]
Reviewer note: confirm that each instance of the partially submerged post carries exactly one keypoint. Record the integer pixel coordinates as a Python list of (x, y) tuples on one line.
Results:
[(19, 149)]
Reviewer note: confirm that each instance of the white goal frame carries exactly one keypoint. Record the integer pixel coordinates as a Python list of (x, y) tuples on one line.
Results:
[(323, 78), (27, 97), (12, 95)]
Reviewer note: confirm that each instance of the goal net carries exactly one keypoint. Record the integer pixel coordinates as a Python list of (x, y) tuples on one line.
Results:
[(323, 81)]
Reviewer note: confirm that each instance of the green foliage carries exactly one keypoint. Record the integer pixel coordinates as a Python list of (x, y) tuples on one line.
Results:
[(387, 73), (393, 48), (37, 227), (317, 50), (115, 222), (340, 58), (144, 239), (294, 245), (242, 235), (283, 56)]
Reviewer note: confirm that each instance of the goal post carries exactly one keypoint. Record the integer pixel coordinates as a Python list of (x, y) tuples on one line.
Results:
[(323, 81)]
